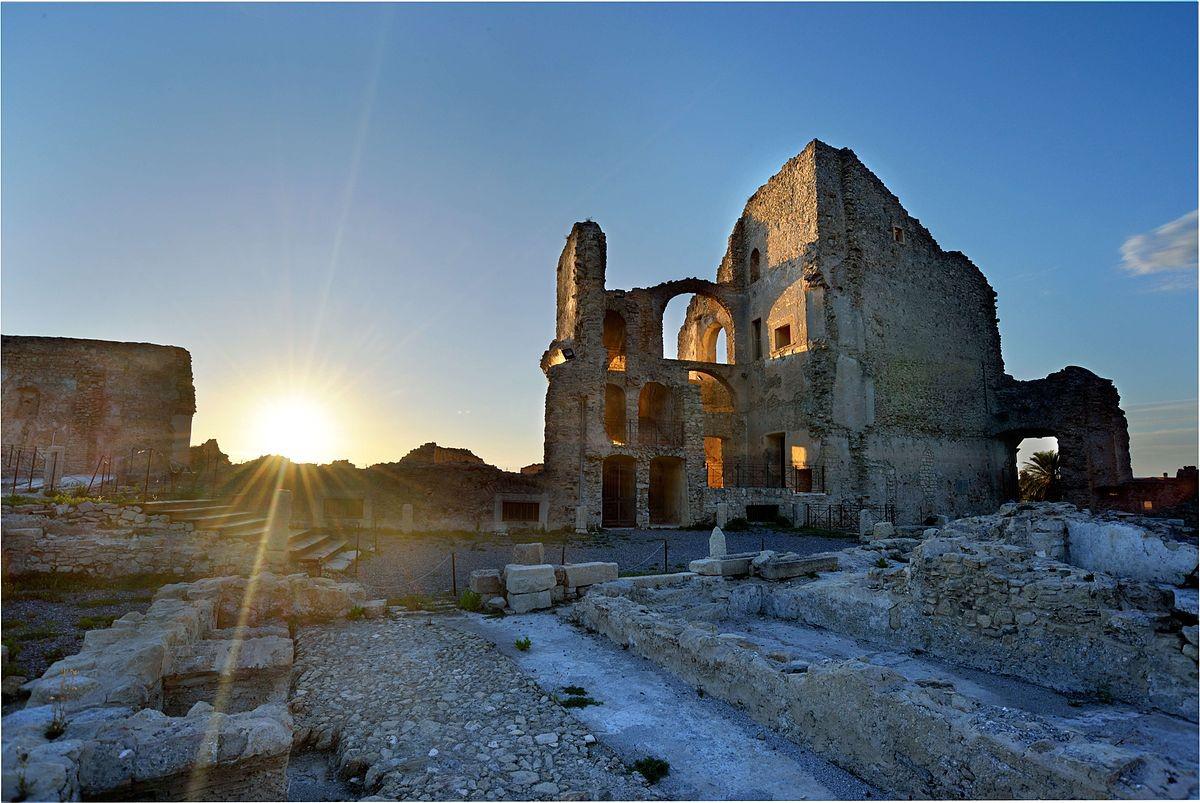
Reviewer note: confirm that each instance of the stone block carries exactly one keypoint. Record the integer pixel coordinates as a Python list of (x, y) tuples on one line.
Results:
[(788, 568), (375, 608), (529, 554), (523, 603), (522, 579), (486, 582), (883, 529), (497, 603), (586, 574), (733, 566)]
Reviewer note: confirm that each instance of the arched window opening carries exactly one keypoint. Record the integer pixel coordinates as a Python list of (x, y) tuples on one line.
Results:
[(715, 345), (697, 328), (658, 422), (613, 338), (614, 414), (755, 265)]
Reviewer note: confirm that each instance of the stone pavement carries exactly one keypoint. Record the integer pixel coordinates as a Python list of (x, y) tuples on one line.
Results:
[(419, 710)]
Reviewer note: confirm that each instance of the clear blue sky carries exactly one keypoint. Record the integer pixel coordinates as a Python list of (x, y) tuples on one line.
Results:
[(365, 204)]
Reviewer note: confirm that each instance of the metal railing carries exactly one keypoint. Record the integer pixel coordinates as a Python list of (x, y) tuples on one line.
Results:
[(766, 474), (843, 517)]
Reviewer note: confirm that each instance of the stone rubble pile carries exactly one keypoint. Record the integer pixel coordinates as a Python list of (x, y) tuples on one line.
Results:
[(100, 723), (530, 584)]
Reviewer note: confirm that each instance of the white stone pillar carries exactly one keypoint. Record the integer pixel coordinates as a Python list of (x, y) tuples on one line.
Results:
[(581, 519), (279, 530), (722, 514)]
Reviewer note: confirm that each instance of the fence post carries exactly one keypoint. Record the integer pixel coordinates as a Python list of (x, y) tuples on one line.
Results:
[(17, 471), (562, 559), (454, 574), (664, 556), (53, 470), (146, 482), (32, 465)]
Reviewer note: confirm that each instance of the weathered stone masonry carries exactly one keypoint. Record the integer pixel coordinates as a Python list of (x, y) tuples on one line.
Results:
[(97, 397), (862, 361)]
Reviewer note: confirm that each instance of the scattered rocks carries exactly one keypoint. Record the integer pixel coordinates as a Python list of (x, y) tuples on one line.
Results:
[(428, 712)]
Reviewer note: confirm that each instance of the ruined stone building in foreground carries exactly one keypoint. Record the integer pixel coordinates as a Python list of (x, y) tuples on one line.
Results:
[(861, 363)]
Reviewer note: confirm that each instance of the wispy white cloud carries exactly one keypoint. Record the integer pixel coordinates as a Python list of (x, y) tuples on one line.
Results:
[(1167, 255)]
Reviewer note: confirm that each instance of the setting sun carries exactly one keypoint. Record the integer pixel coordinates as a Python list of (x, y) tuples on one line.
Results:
[(295, 427)]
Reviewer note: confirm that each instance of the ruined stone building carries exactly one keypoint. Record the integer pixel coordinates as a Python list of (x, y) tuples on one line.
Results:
[(861, 364), (95, 398)]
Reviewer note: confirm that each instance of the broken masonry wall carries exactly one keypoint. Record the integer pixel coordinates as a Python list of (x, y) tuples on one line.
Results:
[(1083, 411), (96, 398)]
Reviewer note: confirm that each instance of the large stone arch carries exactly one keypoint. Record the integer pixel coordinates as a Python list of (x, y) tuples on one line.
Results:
[(718, 308)]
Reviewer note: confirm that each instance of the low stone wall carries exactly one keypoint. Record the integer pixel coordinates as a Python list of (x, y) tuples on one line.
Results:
[(217, 641), (109, 540), (921, 736)]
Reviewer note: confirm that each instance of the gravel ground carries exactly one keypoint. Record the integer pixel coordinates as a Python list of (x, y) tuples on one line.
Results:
[(312, 775), (38, 632), (716, 752), (420, 710), (420, 562)]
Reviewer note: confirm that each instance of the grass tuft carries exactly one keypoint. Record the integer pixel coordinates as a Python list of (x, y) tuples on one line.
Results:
[(652, 769)]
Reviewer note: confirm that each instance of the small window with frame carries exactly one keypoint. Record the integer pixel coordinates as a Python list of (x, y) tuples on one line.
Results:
[(898, 234), (783, 336)]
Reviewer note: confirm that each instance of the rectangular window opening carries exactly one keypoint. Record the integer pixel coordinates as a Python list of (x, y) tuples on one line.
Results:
[(898, 234), (520, 511), (783, 337), (756, 332)]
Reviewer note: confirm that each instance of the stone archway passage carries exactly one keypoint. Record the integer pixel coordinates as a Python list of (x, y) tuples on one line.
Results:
[(619, 492), (666, 500)]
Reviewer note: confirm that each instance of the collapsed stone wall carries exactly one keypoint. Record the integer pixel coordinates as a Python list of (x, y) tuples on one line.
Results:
[(1083, 411), (100, 724), (96, 397), (999, 606), (109, 540)]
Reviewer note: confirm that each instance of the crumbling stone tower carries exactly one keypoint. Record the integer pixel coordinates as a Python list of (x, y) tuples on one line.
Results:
[(862, 366)]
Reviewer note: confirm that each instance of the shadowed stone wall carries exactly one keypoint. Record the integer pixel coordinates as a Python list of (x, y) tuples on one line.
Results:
[(97, 397)]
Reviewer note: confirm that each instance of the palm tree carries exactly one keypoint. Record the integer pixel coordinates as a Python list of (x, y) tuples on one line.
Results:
[(1040, 478)]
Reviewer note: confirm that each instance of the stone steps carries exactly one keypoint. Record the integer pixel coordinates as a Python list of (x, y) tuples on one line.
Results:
[(341, 561)]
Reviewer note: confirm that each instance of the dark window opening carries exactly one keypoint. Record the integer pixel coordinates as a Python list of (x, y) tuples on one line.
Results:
[(340, 508), (755, 268), (898, 234), (756, 332), (762, 512), (520, 511)]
